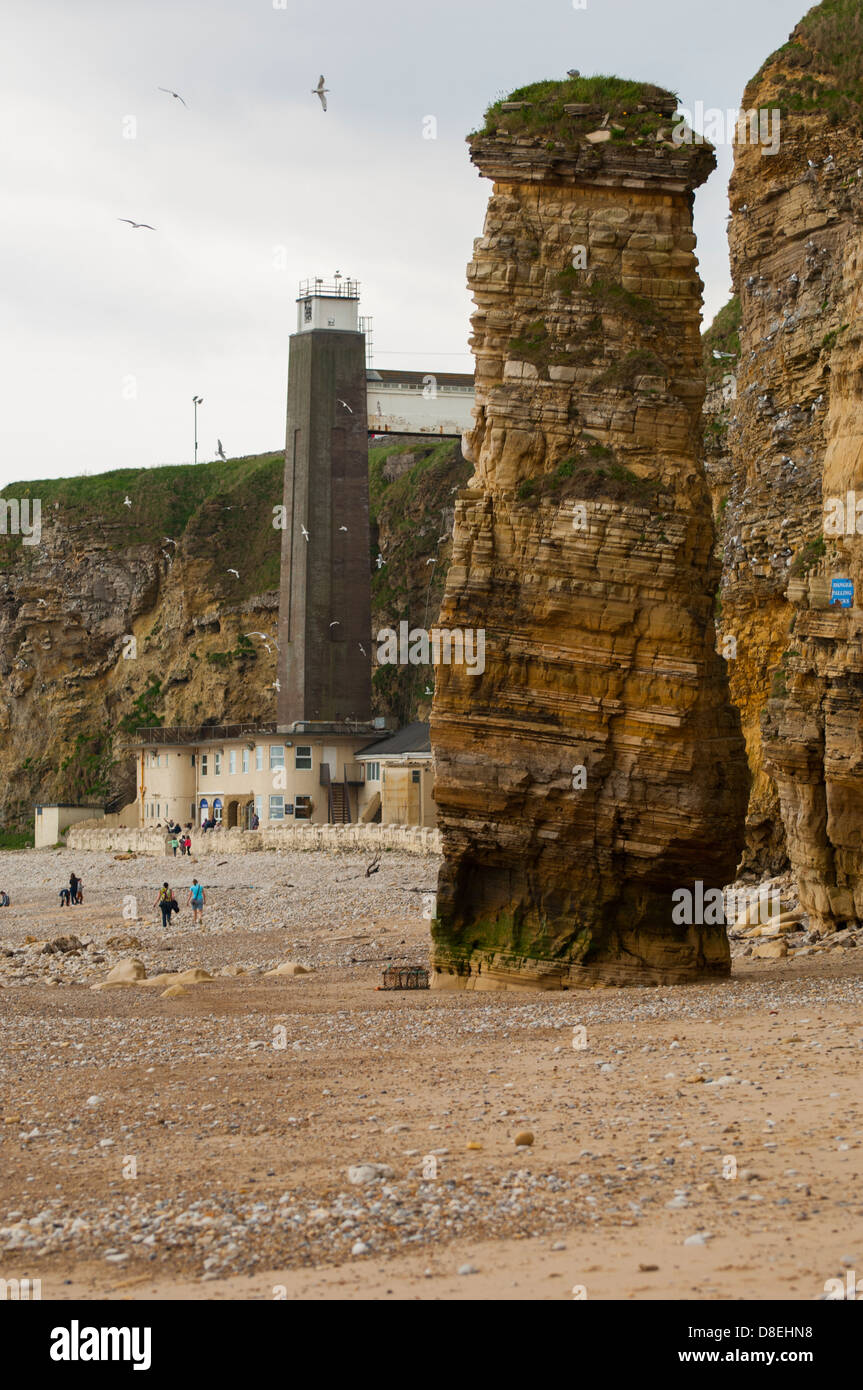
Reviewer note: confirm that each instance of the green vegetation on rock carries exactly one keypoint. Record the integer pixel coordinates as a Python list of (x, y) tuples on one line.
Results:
[(617, 97), (822, 64), (723, 336)]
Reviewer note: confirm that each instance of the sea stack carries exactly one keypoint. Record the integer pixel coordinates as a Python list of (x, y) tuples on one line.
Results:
[(595, 767)]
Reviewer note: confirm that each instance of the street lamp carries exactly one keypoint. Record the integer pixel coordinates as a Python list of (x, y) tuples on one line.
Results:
[(197, 400)]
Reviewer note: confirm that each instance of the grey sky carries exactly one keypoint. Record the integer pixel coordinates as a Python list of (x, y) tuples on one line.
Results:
[(254, 165)]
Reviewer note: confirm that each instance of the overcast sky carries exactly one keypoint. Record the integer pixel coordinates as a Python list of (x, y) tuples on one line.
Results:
[(109, 332)]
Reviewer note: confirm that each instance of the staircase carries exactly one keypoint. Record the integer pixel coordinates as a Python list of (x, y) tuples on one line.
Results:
[(340, 810)]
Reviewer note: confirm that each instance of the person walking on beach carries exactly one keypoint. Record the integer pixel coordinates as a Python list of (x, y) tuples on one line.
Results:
[(164, 902), (73, 887), (174, 843), (197, 897), (65, 897)]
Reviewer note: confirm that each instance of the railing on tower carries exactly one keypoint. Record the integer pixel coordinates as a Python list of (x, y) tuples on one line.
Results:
[(330, 289)]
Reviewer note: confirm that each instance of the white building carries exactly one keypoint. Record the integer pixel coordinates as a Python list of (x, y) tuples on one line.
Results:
[(402, 402)]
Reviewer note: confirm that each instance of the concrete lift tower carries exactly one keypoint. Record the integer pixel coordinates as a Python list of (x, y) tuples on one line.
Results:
[(325, 584)]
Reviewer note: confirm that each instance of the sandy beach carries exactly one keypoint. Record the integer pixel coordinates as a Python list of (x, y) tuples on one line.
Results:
[(312, 1136)]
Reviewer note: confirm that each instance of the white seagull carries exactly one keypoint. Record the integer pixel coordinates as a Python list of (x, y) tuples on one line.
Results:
[(336, 623), (320, 91), (304, 531), (362, 648), (136, 224), (343, 528), (346, 406), (169, 539), (173, 94), (127, 501), (276, 685), (236, 572), (432, 561)]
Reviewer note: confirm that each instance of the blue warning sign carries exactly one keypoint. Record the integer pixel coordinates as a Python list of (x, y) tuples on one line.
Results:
[(842, 592)]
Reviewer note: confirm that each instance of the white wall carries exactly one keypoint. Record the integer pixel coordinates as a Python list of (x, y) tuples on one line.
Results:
[(337, 838), (342, 314), (406, 410), (51, 821)]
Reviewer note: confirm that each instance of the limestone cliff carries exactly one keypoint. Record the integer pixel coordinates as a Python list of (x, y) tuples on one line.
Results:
[(184, 561), (796, 240), (597, 765)]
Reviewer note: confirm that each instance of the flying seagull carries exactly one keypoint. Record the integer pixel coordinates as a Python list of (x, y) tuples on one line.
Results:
[(136, 224), (169, 539), (236, 572), (304, 531), (320, 91), (265, 635), (219, 450), (432, 561), (336, 623), (173, 94), (127, 501), (345, 404), (343, 528), (276, 685), (362, 648)]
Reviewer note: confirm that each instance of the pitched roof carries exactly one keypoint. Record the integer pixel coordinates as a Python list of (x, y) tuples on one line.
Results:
[(413, 738), (392, 375)]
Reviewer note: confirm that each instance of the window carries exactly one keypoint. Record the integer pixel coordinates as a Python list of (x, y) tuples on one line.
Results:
[(373, 772), (307, 311), (245, 759), (205, 813), (277, 808), (232, 760), (277, 755), (193, 760), (259, 758), (203, 764), (415, 777), (217, 764), (259, 807), (192, 811), (217, 809), (303, 758), (303, 808)]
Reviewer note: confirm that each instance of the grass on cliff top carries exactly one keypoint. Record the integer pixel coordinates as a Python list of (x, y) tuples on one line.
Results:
[(823, 63), (222, 511), (618, 96), (161, 498), (723, 335)]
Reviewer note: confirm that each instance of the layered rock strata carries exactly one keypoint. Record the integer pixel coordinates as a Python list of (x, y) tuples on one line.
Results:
[(797, 256), (596, 764)]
